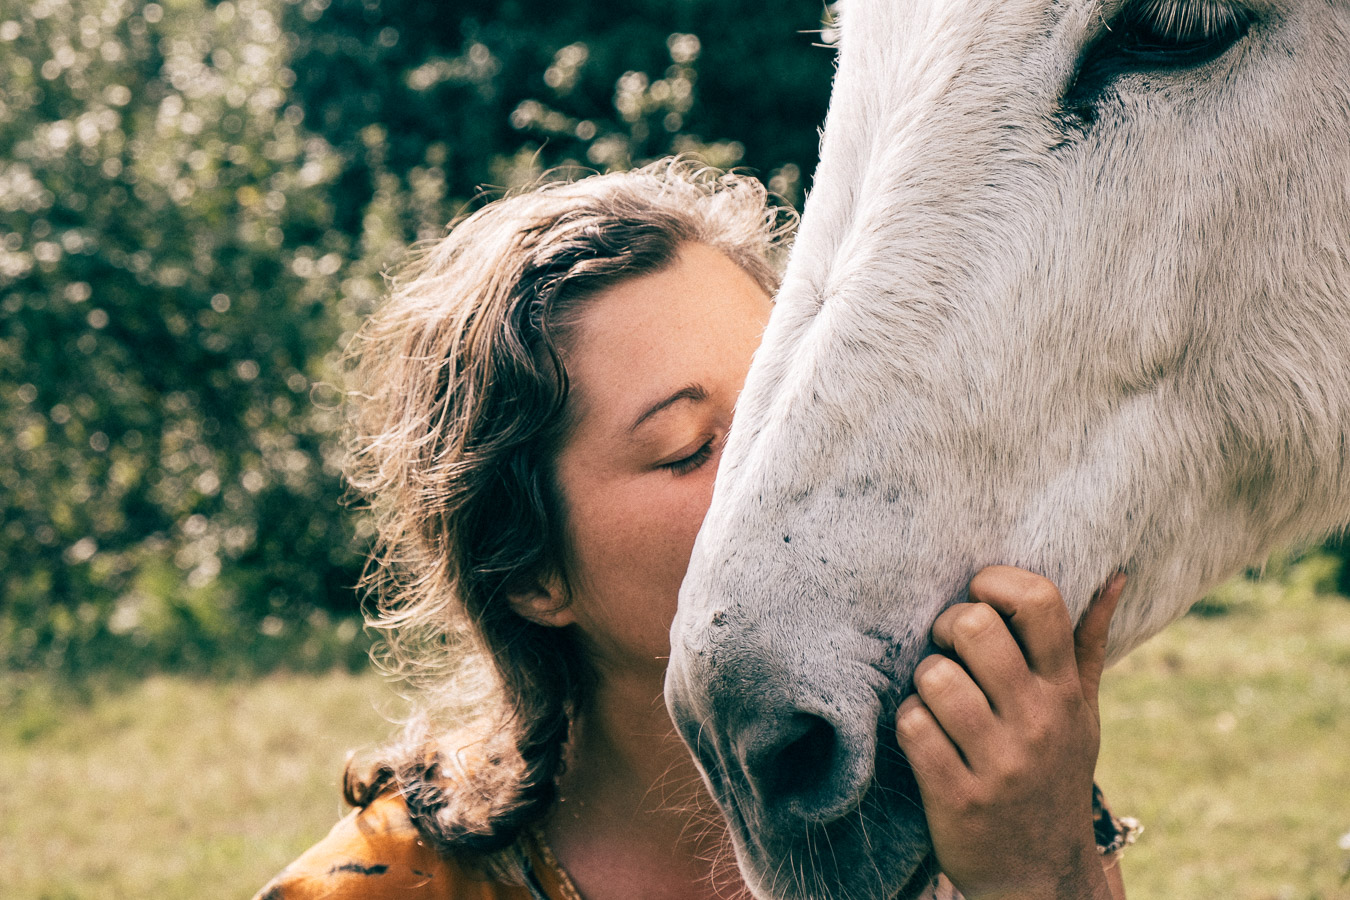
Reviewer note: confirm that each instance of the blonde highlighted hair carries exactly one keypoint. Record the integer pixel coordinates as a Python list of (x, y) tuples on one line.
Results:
[(459, 408)]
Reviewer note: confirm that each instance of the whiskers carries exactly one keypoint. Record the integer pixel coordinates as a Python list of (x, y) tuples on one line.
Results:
[(680, 790)]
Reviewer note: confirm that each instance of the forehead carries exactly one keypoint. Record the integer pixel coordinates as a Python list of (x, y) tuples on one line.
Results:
[(692, 321)]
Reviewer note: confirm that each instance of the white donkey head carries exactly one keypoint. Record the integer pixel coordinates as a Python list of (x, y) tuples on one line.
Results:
[(1072, 292)]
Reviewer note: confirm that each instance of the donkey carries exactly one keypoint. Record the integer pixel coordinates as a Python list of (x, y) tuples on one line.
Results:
[(1072, 293)]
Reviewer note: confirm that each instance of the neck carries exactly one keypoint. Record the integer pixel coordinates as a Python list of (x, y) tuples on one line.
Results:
[(631, 803), (627, 727)]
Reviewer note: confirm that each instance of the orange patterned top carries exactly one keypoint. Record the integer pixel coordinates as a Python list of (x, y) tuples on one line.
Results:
[(376, 853)]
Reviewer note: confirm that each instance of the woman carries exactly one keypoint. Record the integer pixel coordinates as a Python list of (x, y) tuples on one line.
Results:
[(543, 403)]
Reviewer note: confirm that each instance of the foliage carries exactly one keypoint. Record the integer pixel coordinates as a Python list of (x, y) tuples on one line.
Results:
[(168, 257), (197, 200), (462, 95)]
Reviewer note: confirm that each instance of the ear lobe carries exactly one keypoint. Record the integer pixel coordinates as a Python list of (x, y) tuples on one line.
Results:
[(544, 603)]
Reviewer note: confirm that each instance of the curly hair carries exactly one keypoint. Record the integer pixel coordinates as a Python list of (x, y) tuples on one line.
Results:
[(459, 409)]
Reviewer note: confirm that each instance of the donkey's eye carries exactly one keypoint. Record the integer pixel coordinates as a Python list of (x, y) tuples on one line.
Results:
[(1155, 36), (1178, 32)]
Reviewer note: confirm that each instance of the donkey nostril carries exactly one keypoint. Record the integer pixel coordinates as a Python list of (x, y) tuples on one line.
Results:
[(812, 752), (797, 765)]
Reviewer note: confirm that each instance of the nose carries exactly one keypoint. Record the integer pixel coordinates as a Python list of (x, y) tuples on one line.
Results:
[(801, 764), (784, 750), (786, 736)]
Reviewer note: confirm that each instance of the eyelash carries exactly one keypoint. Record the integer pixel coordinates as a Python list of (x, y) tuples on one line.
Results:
[(1157, 36), (1195, 21), (692, 461)]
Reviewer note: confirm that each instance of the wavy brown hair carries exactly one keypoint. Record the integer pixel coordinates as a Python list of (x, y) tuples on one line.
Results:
[(459, 408)]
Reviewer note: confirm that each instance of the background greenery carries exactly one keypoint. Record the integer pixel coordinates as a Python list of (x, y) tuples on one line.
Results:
[(1225, 736), (197, 201)]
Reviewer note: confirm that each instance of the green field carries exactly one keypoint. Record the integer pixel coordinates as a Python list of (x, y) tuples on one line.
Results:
[(169, 787), (1228, 736)]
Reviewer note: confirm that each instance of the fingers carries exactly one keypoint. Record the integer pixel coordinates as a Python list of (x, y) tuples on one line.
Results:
[(1089, 640), (936, 762), (1035, 614), (979, 637), (956, 701)]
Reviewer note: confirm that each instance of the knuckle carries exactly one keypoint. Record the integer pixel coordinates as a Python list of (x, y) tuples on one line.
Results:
[(974, 620), (1039, 728), (976, 798), (1018, 586), (1016, 765), (1067, 687), (1041, 742), (912, 718), (935, 674), (988, 577), (925, 679), (1041, 593)]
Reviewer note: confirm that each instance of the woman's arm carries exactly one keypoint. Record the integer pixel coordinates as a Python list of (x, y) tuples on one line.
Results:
[(1003, 734), (1115, 880)]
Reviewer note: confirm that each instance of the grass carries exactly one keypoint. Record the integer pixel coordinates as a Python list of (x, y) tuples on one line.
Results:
[(171, 787), (1228, 736)]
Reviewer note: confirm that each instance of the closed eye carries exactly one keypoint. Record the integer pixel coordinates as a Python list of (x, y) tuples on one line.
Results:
[(687, 464), (1157, 36)]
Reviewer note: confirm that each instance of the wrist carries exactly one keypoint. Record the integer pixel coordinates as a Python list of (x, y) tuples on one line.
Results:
[(1082, 877)]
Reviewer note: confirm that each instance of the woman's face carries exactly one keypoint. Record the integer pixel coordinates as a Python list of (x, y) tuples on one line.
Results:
[(655, 365)]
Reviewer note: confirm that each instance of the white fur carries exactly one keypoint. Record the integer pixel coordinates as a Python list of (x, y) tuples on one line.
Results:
[(1007, 339)]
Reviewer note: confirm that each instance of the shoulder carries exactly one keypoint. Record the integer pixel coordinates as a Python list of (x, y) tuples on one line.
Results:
[(376, 853)]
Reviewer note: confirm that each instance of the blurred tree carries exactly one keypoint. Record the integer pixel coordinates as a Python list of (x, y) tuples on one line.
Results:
[(471, 94), (167, 254), (197, 201)]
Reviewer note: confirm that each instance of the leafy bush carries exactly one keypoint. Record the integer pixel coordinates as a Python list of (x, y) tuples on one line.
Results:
[(195, 211), (168, 264)]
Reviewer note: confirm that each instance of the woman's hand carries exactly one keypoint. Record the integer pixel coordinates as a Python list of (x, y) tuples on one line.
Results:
[(1003, 735)]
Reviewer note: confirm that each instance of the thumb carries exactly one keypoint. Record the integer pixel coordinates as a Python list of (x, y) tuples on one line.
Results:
[(1089, 639)]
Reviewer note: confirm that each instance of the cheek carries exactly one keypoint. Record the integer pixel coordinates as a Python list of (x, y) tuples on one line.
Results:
[(682, 507), (644, 532), (673, 527)]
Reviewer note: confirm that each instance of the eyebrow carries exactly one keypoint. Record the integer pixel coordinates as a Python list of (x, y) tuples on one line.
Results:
[(693, 392)]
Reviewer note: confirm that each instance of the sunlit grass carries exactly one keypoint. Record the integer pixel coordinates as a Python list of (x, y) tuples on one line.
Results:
[(1228, 736), (171, 787)]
